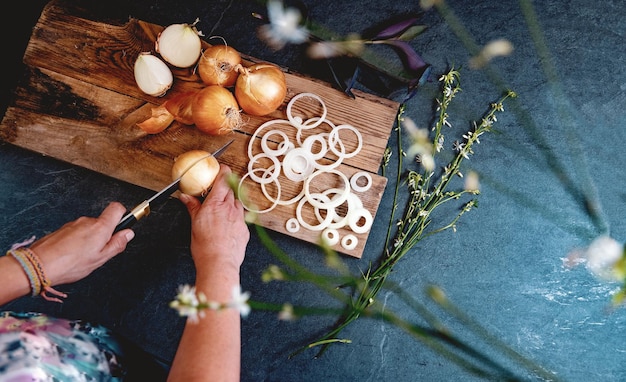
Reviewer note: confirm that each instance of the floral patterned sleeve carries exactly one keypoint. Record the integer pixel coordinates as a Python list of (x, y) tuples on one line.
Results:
[(36, 347)]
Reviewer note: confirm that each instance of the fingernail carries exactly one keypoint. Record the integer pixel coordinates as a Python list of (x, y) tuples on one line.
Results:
[(130, 235)]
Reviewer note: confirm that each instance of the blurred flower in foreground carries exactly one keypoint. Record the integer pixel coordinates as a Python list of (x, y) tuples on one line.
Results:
[(284, 26), (493, 49), (605, 258), (190, 304)]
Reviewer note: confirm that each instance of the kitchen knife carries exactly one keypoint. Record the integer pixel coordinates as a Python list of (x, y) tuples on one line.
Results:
[(143, 209)]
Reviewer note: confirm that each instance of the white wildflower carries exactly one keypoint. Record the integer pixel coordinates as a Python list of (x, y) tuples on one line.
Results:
[(493, 49), (602, 255), (284, 26), (240, 301), (286, 313), (472, 183)]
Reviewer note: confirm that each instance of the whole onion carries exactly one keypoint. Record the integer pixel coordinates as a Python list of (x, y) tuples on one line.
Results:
[(217, 65), (215, 111), (198, 169), (260, 88)]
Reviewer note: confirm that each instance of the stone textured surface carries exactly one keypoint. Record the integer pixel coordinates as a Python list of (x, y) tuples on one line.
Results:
[(503, 266)]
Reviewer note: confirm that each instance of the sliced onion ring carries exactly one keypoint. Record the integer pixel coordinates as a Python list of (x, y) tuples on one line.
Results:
[(298, 121), (273, 171), (319, 227), (331, 236), (355, 179), (349, 242), (298, 164), (355, 216), (331, 203), (282, 147), (274, 204), (292, 225), (333, 138)]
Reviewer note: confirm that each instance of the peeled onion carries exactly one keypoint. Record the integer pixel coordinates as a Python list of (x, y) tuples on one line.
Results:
[(198, 169), (152, 75), (179, 44), (215, 111), (260, 89), (217, 65)]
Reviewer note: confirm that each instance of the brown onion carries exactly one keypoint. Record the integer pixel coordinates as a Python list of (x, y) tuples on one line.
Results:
[(180, 107), (198, 169), (215, 111), (261, 88), (217, 65), (160, 119)]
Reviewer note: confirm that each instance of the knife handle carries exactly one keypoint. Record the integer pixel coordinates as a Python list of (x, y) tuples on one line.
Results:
[(133, 216)]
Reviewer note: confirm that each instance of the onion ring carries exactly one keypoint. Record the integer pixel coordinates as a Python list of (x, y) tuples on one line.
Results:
[(292, 225), (331, 203), (354, 181), (349, 242), (354, 217), (264, 180), (297, 121), (274, 204), (323, 224), (331, 236), (333, 138)]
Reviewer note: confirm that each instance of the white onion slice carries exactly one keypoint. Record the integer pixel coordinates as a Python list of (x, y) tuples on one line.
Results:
[(354, 181), (331, 203), (333, 139), (309, 143), (298, 164), (283, 145), (292, 225), (349, 242), (331, 236), (273, 170), (354, 218), (261, 128), (322, 224), (274, 204), (298, 121)]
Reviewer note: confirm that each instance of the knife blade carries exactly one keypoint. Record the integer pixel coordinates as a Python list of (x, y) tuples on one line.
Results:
[(143, 208)]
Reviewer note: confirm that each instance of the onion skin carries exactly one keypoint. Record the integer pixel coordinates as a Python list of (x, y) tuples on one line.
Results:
[(180, 106), (260, 88), (161, 118), (218, 65), (215, 111), (198, 169)]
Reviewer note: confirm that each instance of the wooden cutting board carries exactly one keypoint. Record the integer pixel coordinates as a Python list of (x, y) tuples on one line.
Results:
[(80, 104)]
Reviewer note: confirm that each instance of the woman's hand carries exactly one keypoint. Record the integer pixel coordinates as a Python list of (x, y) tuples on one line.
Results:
[(79, 247), (219, 234)]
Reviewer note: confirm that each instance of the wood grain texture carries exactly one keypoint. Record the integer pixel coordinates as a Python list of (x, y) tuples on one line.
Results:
[(80, 104)]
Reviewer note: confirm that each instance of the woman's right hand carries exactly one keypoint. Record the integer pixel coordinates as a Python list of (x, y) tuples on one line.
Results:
[(219, 234)]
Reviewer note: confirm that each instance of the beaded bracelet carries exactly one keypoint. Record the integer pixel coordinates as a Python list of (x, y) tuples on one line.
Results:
[(33, 268)]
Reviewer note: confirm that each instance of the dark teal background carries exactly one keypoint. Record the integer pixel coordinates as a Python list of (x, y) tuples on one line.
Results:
[(503, 266)]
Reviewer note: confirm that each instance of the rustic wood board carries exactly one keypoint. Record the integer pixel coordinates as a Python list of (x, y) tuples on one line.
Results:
[(80, 104)]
